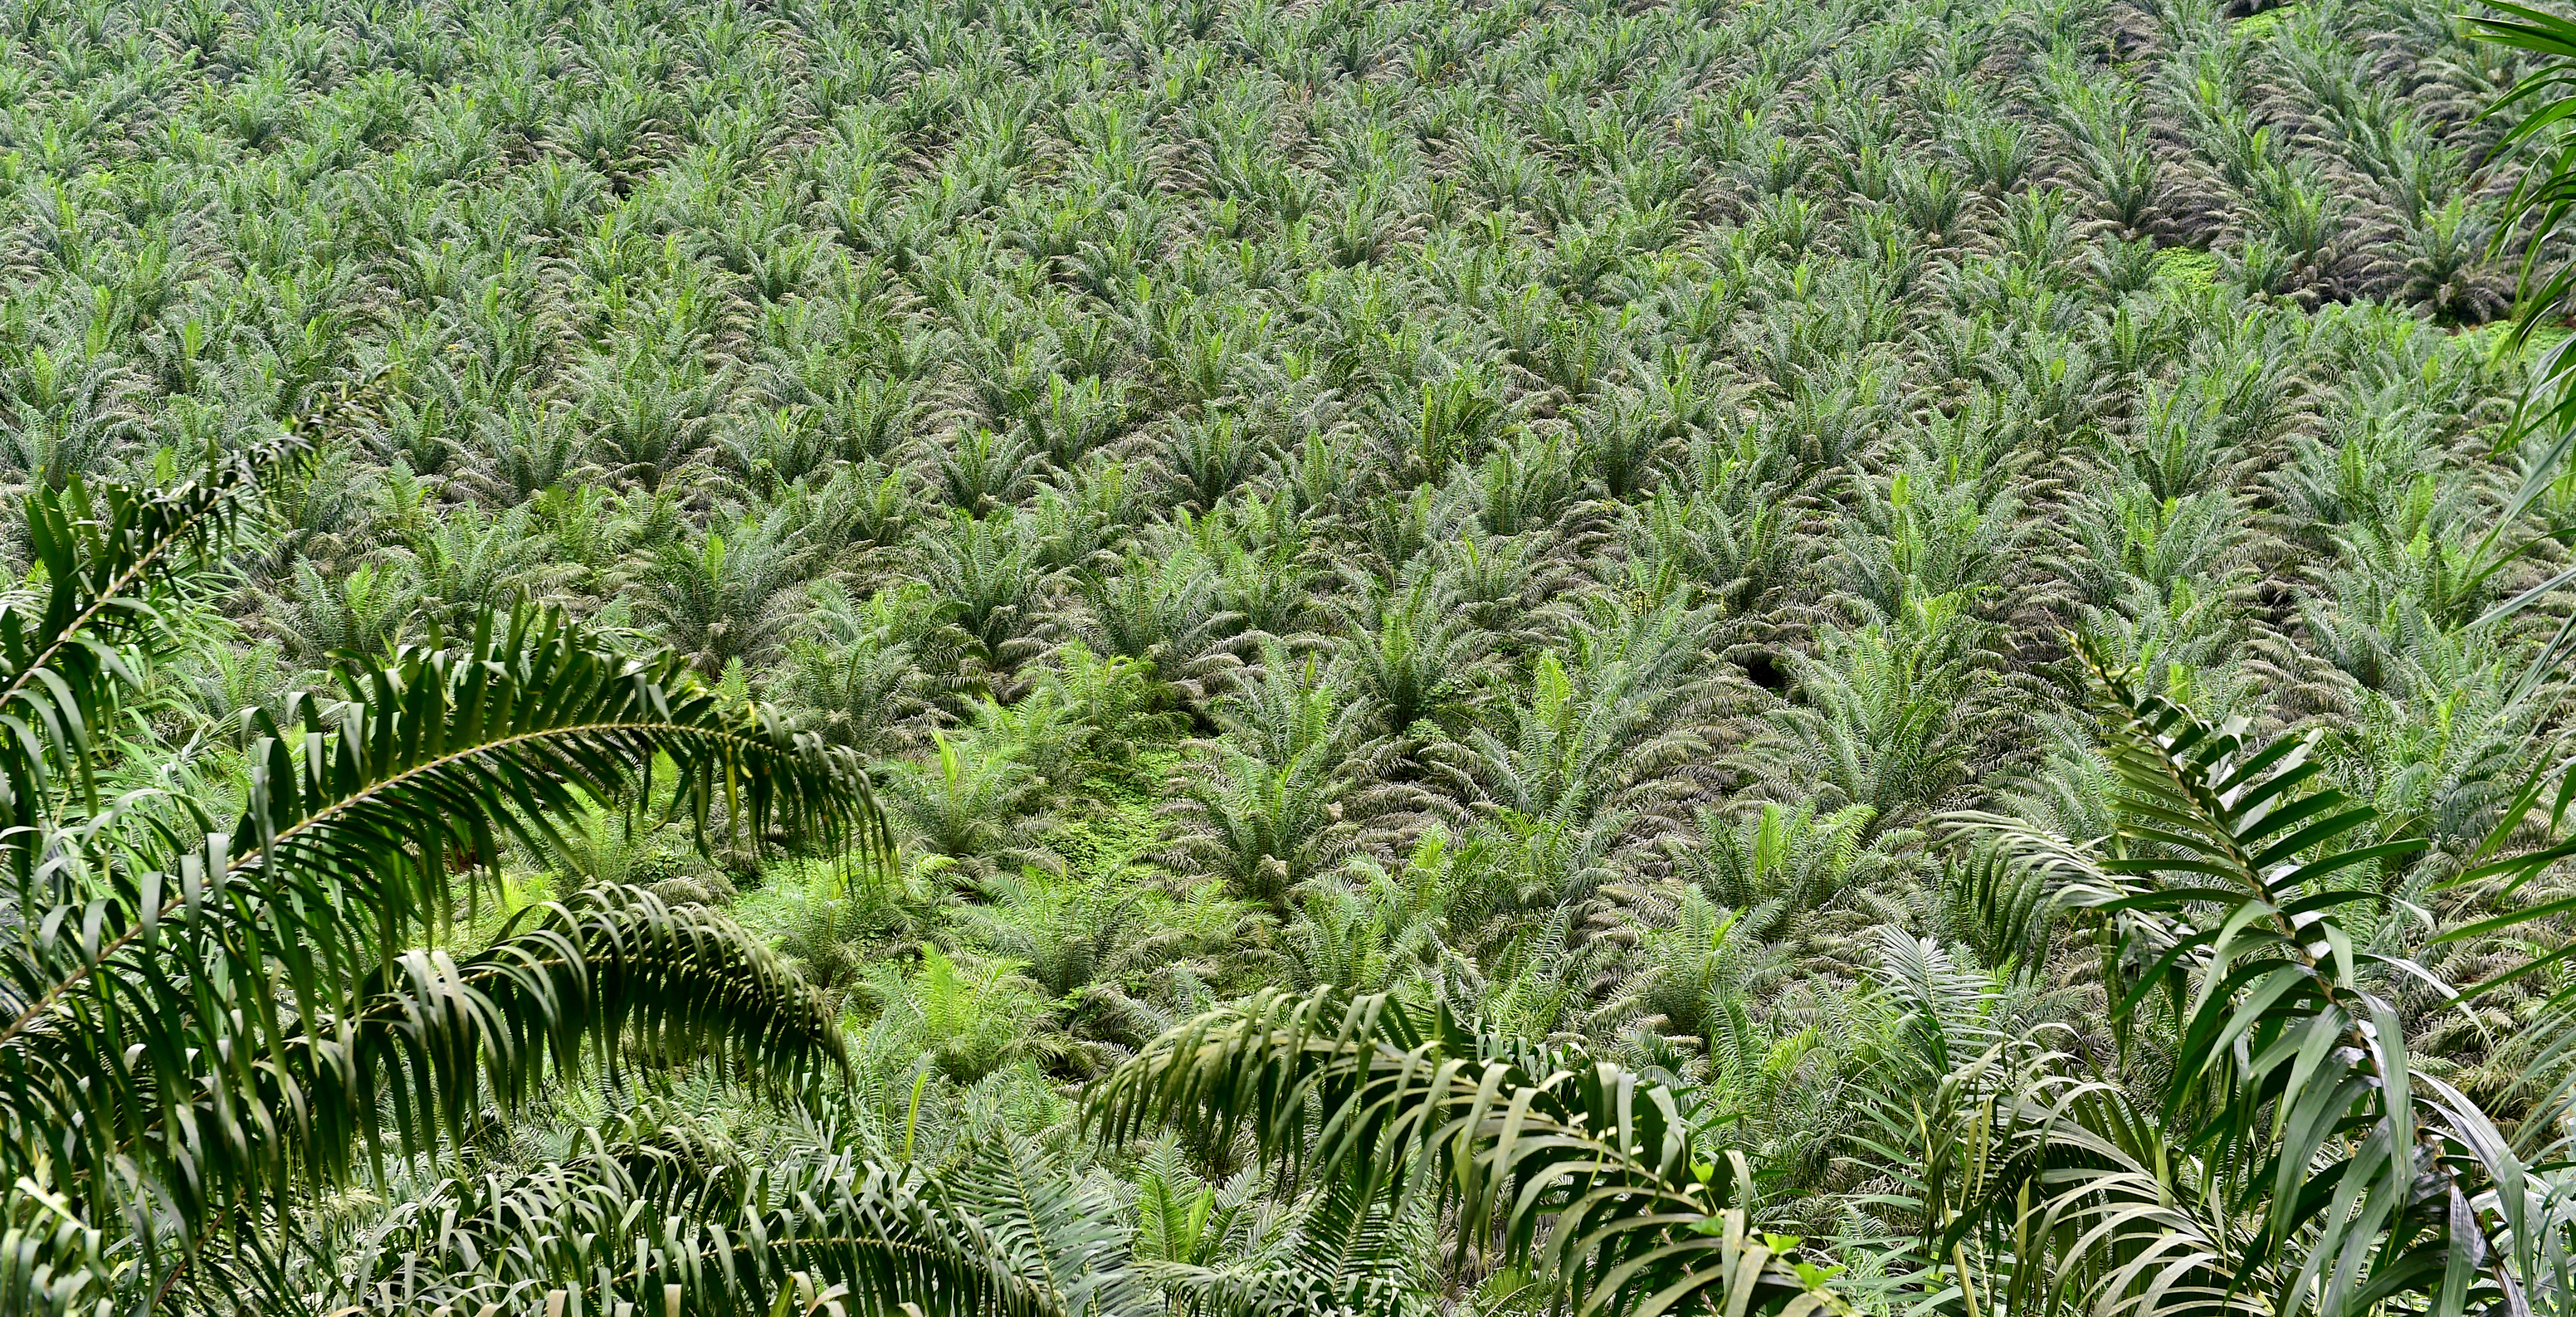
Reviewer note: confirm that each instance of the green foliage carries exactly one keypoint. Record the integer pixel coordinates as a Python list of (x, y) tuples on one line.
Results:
[(2237, 901), (209, 1023), (967, 1021), (1577, 1166), (1531, 513)]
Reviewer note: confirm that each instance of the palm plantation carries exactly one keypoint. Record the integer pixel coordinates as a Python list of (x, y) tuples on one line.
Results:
[(1216, 657)]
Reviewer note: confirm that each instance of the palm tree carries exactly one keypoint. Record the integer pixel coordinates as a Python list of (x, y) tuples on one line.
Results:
[(208, 1019), (2288, 1152), (1577, 1169)]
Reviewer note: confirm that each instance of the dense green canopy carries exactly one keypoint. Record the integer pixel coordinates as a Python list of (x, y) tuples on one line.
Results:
[(1216, 656)]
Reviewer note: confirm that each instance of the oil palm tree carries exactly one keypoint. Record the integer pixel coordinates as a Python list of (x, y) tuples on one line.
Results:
[(2289, 1150), (1578, 1169), (2288, 1153), (208, 1019)]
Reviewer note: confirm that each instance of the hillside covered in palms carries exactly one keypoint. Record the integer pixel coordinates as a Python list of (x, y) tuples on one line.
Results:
[(1220, 656)]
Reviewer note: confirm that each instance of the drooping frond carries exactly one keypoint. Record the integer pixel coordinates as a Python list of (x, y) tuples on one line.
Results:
[(1580, 1166), (435, 753), (649, 1217), (2539, 207), (106, 553), (613, 970), (171, 967), (2225, 887)]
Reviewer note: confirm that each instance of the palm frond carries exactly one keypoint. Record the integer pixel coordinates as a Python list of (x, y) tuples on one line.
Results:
[(1056, 1236), (611, 972), (106, 553), (646, 1218), (156, 992), (1546, 1156), (2225, 890)]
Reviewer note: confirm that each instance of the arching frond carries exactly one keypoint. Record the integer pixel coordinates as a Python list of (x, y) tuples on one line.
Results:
[(641, 1220), (2227, 890), (1547, 1156), (210, 970), (107, 555), (612, 971)]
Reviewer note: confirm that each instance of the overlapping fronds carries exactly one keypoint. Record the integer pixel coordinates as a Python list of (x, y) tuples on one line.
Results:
[(622, 1226), (1346, 1251), (653, 1213), (612, 971), (2523, 892), (425, 762), (2227, 894), (192, 1023), (1057, 1238), (107, 554), (344, 854), (2536, 215), (1597, 1176)]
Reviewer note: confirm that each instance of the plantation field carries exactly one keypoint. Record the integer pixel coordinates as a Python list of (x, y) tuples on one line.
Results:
[(1544, 510)]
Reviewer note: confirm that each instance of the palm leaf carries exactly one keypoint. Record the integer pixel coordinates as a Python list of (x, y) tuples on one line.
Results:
[(2536, 213), (613, 970), (157, 970), (1344, 1252), (2223, 891), (1545, 1155), (653, 1217), (105, 555), (1057, 1237)]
